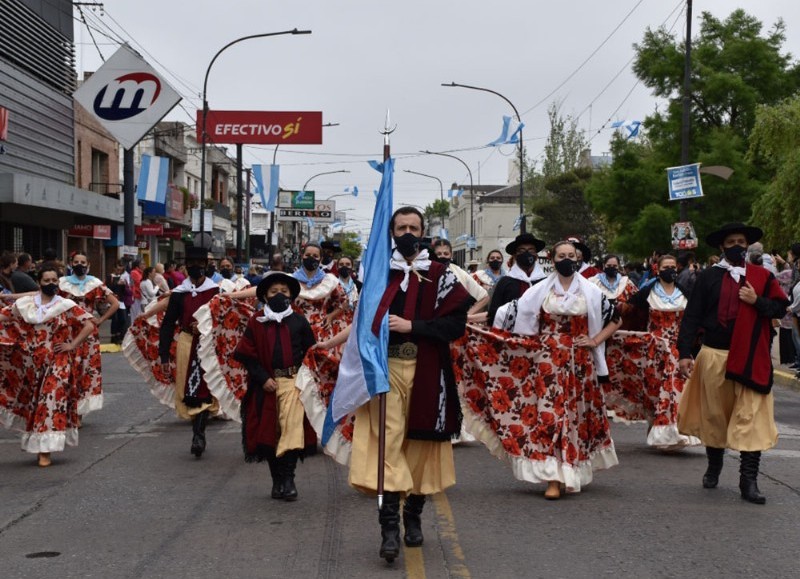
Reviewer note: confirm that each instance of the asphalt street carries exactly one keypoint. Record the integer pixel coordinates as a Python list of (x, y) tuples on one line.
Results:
[(131, 501)]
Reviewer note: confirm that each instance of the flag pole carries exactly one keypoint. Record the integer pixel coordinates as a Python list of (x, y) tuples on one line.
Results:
[(382, 397)]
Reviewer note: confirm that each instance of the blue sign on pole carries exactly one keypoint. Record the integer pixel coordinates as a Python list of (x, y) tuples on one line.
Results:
[(684, 182)]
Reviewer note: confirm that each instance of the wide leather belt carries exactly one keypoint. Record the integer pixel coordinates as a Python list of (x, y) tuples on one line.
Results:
[(286, 372), (404, 351)]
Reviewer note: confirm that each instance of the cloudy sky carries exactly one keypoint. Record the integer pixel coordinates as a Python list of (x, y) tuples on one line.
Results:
[(366, 56)]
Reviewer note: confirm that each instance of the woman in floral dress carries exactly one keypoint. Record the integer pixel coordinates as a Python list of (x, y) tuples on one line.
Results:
[(91, 294), (645, 381), (532, 396), (349, 287), (41, 377)]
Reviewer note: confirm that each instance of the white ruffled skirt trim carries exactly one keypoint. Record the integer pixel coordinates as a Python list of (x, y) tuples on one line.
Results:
[(49, 441), (668, 438), (165, 394), (90, 404), (229, 405), (338, 447), (540, 471)]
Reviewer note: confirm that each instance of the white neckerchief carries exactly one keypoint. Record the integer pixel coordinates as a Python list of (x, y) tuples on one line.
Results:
[(530, 307), (537, 273), (736, 271), (420, 263), (584, 267), (42, 309), (270, 316), (188, 286), (566, 297)]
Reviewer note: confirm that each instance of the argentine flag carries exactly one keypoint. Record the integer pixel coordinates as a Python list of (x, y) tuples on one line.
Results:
[(266, 177), (631, 128), (364, 369), (509, 134), (152, 185)]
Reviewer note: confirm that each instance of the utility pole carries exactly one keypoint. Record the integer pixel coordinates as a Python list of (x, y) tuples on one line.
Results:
[(687, 103)]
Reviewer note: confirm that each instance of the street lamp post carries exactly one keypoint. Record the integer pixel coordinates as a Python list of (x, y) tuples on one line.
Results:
[(306, 185), (471, 199), (687, 104), (522, 225), (203, 135), (441, 189)]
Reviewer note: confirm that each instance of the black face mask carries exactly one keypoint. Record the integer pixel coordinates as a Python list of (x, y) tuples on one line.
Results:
[(526, 260), (407, 244), (495, 265), (611, 272), (566, 267), (195, 271), (50, 289), (278, 303), (79, 270), (211, 270), (310, 263), (326, 259), (226, 273), (668, 275), (344, 272), (735, 255), (445, 261)]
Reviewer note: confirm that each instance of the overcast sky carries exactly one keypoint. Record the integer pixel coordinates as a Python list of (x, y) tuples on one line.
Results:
[(366, 56)]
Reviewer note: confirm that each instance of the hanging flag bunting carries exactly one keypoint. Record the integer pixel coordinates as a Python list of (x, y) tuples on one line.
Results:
[(454, 193), (310, 223), (510, 133), (266, 178), (517, 223), (631, 128), (152, 185), (355, 191)]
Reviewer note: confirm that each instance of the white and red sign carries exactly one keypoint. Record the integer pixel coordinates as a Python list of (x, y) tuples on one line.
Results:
[(127, 96), (150, 229), (93, 231), (3, 124), (262, 127)]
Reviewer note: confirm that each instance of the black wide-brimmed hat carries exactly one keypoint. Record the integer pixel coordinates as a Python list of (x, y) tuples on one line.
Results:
[(752, 234), (586, 253), (524, 239), (334, 245), (195, 252), (271, 278)]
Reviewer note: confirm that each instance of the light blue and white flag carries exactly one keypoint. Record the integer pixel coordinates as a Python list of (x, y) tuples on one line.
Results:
[(266, 177), (355, 191), (461, 238), (509, 134), (364, 369), (300, 196), (153, 179), (517, 223), (443, 233), (310, 223), (454, 193), (628, 128), (336, 224)]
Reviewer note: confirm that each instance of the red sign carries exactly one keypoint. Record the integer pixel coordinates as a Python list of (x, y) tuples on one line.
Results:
[(174, 203), (150, 229), (3, 124), (262, 128), (93, 231), (171, 233)]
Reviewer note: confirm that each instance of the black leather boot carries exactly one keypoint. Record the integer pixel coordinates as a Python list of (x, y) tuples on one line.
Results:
[(277, 477), (199, 433), (288, 464), (389, 518), (715, 458), (412, 510), (748, 473)]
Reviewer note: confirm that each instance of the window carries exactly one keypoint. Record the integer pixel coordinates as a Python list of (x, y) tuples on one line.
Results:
[(100, 181)]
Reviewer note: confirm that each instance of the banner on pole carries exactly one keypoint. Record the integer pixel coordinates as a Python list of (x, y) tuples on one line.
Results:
[(683, 235), (684, 182)]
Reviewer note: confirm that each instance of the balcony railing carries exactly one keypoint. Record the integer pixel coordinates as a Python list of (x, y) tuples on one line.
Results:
[(108, 189), (222, 210)]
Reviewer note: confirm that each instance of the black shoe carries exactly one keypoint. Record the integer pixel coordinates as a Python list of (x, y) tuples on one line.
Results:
[(277, 478), (748, 475), (715, 458), (199, 430), (288, 465), (389, 518), (412, 510)]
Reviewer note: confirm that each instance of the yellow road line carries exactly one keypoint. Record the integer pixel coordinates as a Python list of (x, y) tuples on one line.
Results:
[(449, 537), (415, 563)]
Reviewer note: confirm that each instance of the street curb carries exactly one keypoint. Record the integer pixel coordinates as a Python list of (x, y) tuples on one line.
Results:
[(786, 380)]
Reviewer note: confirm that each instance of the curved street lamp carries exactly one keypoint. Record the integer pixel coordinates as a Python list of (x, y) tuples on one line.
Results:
[(471, 197), (314, 177), (441, 189), (521, 151), (203, 135)]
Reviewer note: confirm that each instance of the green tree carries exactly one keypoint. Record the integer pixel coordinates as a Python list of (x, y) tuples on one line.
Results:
[(438, 210), (350, 246), (735, 67), (776, 139)]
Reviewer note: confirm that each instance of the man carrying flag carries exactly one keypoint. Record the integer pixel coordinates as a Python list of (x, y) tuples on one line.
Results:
[(427, 309)]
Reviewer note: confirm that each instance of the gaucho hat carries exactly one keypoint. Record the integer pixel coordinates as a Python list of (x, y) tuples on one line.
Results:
[(333, 245), (271, 278), (196, 252), (524, 239), (584, 249), (716, 238)]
